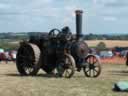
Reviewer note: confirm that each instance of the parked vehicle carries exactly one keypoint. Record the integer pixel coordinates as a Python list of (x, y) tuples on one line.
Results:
[(124, 53), (106, 54)]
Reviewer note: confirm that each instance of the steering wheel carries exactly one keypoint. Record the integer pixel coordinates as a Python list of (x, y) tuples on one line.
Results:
[(53, 33)]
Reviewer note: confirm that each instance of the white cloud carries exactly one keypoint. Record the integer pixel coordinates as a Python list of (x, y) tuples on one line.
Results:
[(109, 18), (67, 21), (94, 2), (4, 6), (47, 1)]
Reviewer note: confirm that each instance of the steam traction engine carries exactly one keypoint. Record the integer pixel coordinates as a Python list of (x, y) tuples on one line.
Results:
[(60, 50)]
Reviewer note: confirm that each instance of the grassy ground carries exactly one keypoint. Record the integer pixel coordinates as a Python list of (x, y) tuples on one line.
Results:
[(11, 84)]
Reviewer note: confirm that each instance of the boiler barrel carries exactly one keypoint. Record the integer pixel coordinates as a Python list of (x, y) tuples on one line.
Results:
[(78, 24)]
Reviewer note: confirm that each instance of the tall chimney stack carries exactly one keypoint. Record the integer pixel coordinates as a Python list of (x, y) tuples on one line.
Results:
[(78, 24)]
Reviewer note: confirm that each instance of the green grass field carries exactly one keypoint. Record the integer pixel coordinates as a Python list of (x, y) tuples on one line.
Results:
[(12, 84)]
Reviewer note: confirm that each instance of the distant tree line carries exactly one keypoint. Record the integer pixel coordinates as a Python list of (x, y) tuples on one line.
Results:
[(26, 35), (13, 36)]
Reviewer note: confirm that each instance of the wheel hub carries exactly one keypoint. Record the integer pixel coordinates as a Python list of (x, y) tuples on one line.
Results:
[(91, 66)]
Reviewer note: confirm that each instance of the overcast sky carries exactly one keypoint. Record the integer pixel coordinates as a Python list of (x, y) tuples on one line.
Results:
[(100, 16)]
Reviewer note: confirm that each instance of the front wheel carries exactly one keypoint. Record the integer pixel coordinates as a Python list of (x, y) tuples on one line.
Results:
[(92, 67), (66, 66)]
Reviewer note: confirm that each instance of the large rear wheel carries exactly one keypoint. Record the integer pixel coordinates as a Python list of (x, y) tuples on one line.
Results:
[(28, 59)]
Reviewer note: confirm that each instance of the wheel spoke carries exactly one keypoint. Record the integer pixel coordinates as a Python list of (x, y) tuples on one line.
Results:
[(88, 70), (24, 56), (90, 73), (93, 72), (89, 60), (86, 65), (28, 69), (26, 51), (66, 61), (67, 73), (96, 65), (95, 61), (25, 59)]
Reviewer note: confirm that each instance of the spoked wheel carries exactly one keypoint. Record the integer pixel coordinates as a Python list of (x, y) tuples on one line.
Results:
[(27, 60), (92, 67), (66, 68)]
